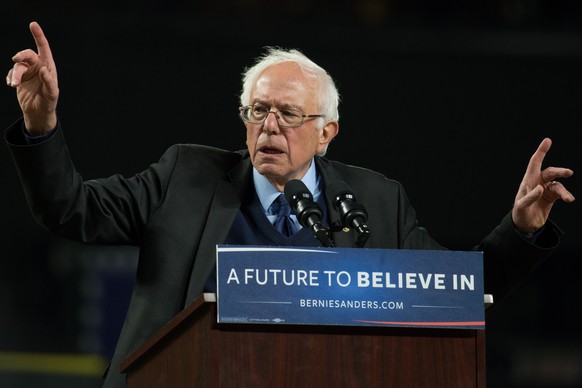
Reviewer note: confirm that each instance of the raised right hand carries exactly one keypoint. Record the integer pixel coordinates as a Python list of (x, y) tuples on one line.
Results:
[(34, 76), (538, 191)]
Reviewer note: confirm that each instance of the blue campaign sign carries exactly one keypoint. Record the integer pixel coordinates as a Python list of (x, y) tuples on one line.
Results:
[(350, 286)]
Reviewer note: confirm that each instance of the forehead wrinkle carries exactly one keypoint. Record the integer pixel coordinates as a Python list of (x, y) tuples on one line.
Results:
[(286, 85)]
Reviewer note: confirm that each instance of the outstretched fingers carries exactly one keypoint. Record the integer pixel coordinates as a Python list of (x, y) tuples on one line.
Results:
[(542, 185)]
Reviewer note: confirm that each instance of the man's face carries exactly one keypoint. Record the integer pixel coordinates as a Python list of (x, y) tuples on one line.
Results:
[(282, 154)]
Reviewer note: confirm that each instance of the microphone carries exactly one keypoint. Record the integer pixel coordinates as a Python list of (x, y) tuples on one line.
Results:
[(309, 213), (352, 214)]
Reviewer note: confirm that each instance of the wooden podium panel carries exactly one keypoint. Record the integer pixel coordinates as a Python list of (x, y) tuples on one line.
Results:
[(193, 350)]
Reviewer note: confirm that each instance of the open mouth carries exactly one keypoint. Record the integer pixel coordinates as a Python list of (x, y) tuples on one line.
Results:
[(272, 151)]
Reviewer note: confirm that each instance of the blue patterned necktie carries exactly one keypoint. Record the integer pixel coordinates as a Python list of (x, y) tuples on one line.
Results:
[(283, 222)]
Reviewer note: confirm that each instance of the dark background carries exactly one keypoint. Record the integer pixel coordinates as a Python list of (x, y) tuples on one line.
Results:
[(450, 98)]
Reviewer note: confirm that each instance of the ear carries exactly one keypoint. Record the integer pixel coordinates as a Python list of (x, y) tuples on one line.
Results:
[(328, 132)]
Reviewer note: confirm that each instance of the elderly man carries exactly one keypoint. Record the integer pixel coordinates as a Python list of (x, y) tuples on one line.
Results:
[(195, 197)]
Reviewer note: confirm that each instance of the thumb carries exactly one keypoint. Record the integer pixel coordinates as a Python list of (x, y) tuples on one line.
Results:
[(531, 197)]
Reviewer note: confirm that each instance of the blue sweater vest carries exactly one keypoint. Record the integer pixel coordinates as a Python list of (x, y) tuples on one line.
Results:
[(252, 227)]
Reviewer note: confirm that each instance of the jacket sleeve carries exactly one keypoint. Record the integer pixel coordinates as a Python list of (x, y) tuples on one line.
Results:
[(510, 258), (108, 211)]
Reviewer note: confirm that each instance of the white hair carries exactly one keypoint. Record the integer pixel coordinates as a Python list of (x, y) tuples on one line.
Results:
[(328, 96)]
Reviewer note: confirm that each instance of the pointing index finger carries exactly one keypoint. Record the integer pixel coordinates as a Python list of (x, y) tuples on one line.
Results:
[(42, 45), (537, 158)]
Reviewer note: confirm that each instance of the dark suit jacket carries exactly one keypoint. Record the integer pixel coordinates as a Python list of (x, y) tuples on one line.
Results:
[(178, 209)]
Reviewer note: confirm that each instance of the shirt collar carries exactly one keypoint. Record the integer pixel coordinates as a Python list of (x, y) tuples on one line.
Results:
[(267, 192)]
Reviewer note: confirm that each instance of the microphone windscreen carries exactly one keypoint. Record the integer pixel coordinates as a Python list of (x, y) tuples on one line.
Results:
[(294, 188), (335, 189)]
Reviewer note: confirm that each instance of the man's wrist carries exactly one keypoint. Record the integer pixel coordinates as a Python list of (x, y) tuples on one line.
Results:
[(40, 128), (31, 138)]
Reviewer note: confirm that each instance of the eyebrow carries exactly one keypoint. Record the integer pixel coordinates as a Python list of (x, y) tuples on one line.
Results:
[(279, 107)]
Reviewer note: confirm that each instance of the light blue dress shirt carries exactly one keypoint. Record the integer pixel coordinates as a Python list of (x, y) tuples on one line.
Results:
[(267, 193)]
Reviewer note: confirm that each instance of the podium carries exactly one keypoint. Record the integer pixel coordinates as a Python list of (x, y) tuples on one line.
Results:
[(193, 350)]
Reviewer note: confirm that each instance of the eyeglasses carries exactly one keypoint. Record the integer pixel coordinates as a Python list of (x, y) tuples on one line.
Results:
[(287, 118)]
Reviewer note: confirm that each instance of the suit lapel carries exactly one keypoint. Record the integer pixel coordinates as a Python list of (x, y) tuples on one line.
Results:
[(225, 204)]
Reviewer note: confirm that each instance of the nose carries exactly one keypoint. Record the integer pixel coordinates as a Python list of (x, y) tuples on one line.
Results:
[(271, 123)]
